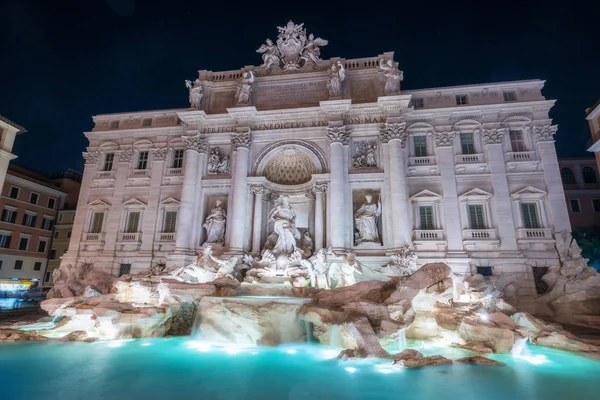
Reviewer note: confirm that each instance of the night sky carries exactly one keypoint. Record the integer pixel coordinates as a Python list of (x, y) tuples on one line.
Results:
[(64, 61)]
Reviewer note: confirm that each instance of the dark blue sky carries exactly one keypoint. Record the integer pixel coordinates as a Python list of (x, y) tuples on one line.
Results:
[(64, 61)]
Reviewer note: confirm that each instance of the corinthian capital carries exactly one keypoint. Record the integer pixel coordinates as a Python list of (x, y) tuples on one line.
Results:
[(494, 135), (257, 190), (91, 157), (196, 143), (159, 154), (444, 139), (241, 139), (125, 156), (544, 133), (338, 134), (396, 130)]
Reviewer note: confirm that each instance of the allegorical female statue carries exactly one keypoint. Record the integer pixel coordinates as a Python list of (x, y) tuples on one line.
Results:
[(336, 77), (393, 76), (245, 88), (215, 224), (284, 226), (195, 93), (366, 221)]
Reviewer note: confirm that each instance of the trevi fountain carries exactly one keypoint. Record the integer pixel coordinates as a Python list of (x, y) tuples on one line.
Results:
[(303, 317)]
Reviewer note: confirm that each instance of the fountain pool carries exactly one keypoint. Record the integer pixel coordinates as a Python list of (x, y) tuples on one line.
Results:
[(180, 368)]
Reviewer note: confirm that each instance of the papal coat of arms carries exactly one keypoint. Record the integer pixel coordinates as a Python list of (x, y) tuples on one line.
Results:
[(293, 49)]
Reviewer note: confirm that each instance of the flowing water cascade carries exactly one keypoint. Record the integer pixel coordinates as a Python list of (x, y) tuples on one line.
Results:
[(401, 339), (50, 324), (520, 348), (335, 337)]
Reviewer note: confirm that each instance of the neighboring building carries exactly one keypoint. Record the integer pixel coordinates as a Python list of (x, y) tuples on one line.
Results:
[(466, 175), (593, 117), (8, 132), (582, 190), (29, 205), (70, 183)]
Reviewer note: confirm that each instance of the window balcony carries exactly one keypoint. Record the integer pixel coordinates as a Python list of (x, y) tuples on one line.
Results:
[(428, 235), (140, 173), (94, 237), (165, 237), (105, 175), (516, 156), (416, 161), (534, 234), (174, 171), (469, 159), (479, 234), (129, 237)]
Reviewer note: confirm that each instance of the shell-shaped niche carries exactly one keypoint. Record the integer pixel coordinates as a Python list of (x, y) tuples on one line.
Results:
[(289, 167)]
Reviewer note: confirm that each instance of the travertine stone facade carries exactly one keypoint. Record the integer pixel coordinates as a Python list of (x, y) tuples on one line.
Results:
[(466, 175)]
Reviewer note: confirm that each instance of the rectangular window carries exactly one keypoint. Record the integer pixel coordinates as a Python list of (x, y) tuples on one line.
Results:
[(426, 218), (18, 264), (467, 143), (417, 102), (574, 205), (60, 217), (23, 243), (109, 159), (33, 198), (37, 266), (517, 143), (114, 124), (47, 224), (177, 158), (52, 254), (509, 96), (461, 99), (47, 277), (485, 271), (133, 220), (56, 234), (29, 220), (51, 203), (124, 269), (142, 160), (476, 216), (420, 143), (9, 216), (68, 234), (147, 122), (42, 246), (4, 240), (14, 192), (170, 221), (97, 219), (0, 264), (596, 204), (530, 215)]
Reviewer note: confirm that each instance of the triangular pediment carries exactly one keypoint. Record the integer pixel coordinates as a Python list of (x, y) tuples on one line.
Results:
[(134, 202), (98, 203), (528, 191), (425, 194), (476, 193), (169, 201)]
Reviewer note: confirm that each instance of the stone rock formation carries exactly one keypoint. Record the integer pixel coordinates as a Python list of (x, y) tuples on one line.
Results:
[(479, 360), (71, 281)]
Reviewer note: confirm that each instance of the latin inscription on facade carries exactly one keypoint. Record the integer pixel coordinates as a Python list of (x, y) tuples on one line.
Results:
[(291, 92)]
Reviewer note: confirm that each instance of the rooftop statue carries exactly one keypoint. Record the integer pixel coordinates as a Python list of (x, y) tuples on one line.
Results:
[(293, 50), (195, 93)]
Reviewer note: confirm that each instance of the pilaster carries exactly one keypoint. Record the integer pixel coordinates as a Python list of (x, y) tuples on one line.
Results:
[(240, 144)]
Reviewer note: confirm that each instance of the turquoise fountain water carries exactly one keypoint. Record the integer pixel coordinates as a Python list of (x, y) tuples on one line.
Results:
[(179, 368)]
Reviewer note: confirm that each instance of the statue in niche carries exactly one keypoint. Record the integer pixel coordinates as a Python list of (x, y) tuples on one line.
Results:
[(215, 224), (393, 76), (195, 93), (344, 272), (284, 218), (270, 54), (218, 163), (364, 155), (366, 221), (245, 88), (336, 77)]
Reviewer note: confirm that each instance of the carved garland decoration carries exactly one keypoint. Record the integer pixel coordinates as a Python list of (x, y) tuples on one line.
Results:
[(91, 157), (160, 154), (338, 134), (544, 133), (494, 135), (396, 130), (125, 156), (444, 139)]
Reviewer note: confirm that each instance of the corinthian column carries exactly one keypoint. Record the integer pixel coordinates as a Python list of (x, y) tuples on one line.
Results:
[(257, 191), (241, 146), (339, 136), (394, 135), (185, 218), (320, 190)]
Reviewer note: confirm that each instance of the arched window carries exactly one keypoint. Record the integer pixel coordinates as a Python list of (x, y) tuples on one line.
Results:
[(589, 175), (567, 176)]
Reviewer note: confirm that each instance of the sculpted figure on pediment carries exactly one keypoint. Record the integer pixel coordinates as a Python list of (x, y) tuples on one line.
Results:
[(245, 88), (393, 76), (270, 54), (195, 93), (336, 77)]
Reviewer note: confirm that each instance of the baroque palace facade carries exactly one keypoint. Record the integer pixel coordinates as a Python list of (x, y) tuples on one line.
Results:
[(465, 175)]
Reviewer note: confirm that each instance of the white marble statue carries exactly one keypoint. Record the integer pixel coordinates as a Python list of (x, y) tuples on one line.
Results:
[(200, 271), (270, 54), (366, 221), (402, 263), (311, 51), (336, 77), (344, 272), (226, 267), (318, 269), (245, 88), (218, 163), (283, 217), (195, 93), (364, 155), (393, 76), (215, 224)]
